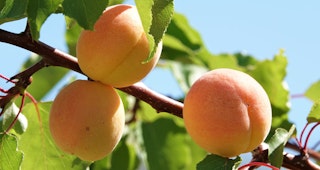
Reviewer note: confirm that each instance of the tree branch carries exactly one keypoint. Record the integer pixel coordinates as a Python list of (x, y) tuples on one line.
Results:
[(158, 101), (54, 57)]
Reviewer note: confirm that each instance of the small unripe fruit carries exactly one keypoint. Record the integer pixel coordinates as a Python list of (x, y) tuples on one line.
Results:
[(87, 119), (227, 112), (115, 51)]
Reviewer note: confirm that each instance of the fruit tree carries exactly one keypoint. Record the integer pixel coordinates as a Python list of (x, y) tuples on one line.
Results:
[(102, 116)]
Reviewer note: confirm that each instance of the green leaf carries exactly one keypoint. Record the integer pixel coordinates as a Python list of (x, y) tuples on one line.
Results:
[(9, 115), (276, 145), (10, 156), (38, 146), (85, 12), (11, 10), (313, 92), (43, 80), (245, 60), (155, 17), (223, 61), (271, 75), (168, 145), (123, 157), (72, 34), (314, 115), (186, 74), (215, 162), (115, 2), (38, 11), (183, 43)]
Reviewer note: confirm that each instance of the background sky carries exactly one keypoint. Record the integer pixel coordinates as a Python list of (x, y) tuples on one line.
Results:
[(258, 28)]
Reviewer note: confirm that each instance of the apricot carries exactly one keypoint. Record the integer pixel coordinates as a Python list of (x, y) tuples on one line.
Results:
[(227, 112), (87, 119), (115, 51)]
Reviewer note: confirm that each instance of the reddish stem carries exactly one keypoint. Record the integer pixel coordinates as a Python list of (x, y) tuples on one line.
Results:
[(297, 96), (16, 118), (302, 133), (309, 134), (35, 102), (298, 142), (258, 164)]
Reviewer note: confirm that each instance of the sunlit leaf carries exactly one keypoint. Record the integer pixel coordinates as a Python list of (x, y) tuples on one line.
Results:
[(271, 74), (313, 92), (215, 162), (183, 43), (10, 156), (11, 10), (245, 60), (9, 115), (168, 146), (38, 11), (85, 12), (115, 2), (38, 147), (276, 145), (155, 16), (223, 61), (124, 156), (314, 115), (186, 74)]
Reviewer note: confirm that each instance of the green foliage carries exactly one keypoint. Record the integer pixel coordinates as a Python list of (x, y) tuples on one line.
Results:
[(183, 43), (123, 157), (276, 145), (11, 10), (155, 16), (38, 11), (72, 34), (165, 143), (314, 115), (85, 12), (10, 156), (313, 92), (215, 162), (10, 113), (39, 150)]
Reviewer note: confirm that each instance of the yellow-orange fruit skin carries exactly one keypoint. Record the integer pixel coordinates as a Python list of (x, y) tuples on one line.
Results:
[(87, 119), (114, 52), (227, 112)]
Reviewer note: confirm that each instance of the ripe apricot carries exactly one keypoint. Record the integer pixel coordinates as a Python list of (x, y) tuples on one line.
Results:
[(114, 52), (227, 112), (87, 119)]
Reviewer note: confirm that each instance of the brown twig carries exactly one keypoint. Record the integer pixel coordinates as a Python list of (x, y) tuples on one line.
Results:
[(293, 162), (158, 101), (311, 153), (54, 57)]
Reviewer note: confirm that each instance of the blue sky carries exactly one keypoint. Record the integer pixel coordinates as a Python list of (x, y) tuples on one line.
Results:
[(259, 28)]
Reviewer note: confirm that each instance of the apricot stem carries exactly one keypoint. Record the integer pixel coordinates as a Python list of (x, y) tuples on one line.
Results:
[(309, 134), (257, 164), (302, 132), (16, 118)]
